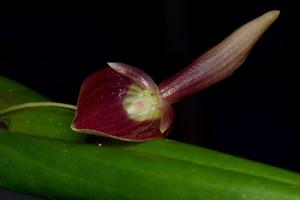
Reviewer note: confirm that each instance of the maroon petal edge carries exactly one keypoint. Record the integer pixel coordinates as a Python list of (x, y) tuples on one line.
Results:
[(101, 109)]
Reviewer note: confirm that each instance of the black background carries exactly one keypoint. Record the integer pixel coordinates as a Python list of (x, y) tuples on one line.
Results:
[(253, 114)]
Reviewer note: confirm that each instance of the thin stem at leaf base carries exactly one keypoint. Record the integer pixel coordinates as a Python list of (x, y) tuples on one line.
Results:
[(36, 105)]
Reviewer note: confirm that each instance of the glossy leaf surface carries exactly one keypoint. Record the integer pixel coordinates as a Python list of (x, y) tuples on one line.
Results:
[(66, 171)]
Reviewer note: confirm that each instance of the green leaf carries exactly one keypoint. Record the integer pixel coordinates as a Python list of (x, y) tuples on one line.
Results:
[(13, 93), (46, 121), (35, 121), (158, 169), (62, 170)]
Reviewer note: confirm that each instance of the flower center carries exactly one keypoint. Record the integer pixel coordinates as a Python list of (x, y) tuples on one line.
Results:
[(141, 104)]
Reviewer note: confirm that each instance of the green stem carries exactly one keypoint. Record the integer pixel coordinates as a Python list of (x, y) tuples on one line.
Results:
[(37, 104)]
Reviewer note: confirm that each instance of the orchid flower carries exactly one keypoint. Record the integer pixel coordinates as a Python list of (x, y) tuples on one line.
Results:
[(123, 102)]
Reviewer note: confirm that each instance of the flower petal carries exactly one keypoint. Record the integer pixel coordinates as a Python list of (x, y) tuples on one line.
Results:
[(166, 116), (134, 74), (217, 63), (118, 106)]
